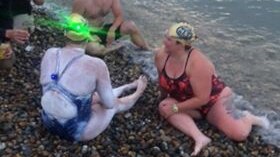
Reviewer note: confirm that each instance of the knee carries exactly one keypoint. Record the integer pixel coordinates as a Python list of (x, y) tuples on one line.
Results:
[(129, 27)]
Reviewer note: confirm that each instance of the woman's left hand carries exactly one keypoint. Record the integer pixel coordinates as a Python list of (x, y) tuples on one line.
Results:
[(166, 107)]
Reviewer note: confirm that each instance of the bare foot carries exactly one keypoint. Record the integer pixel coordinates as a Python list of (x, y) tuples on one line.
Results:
[(142, 84), (132, 85), (200, 144), (261, 121)]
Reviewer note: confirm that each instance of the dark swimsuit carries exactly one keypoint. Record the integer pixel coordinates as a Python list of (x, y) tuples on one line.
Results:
[(103, 32), (180, 88)]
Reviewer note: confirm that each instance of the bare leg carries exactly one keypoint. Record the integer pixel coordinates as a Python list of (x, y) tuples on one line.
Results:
[(116, 91), (186, 124), (129, 27), (98, 50), (101, 117), (235, 124), (130, 100)]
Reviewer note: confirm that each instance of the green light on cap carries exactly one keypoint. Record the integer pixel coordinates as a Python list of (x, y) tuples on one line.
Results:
[(77, 25)]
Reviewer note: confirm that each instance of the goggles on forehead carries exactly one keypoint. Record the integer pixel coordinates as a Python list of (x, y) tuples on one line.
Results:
[(182, 32)]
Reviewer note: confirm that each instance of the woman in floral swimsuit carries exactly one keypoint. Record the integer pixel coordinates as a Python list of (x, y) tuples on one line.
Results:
[(190, 89)]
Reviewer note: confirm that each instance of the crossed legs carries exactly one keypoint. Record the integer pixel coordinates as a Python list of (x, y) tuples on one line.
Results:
[(101, 117)]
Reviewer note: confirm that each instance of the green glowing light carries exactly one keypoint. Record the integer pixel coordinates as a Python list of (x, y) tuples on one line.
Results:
[(68, 24)]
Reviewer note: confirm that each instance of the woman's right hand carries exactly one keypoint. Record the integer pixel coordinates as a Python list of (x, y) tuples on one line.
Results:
[(166, 107), (18, 35)]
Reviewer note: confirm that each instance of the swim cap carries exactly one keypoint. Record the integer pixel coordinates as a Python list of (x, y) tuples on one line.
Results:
[(77, 28), (182, 32)]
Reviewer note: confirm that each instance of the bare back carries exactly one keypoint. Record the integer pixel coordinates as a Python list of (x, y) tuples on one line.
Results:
[(84, 76), (82, 70)]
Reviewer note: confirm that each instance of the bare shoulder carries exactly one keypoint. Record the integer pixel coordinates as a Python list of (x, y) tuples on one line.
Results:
[(198, 55), (160, 56), (94, 62), (159, 53), (50, 52), (199, 60)]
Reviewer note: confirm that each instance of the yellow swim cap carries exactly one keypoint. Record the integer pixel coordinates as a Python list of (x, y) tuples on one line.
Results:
[(77, 28), (182, 32)]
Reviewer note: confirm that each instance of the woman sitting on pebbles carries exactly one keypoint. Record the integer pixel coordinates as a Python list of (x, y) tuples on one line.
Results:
[(191, 89), (78, 100)]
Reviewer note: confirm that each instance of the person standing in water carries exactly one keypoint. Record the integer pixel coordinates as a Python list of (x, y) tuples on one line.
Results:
[(191, 89)]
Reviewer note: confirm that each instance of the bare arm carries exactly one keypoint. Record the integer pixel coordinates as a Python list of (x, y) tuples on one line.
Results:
[(118, 15), (104, 87), (201, 81), (159, 59), (38, 2)]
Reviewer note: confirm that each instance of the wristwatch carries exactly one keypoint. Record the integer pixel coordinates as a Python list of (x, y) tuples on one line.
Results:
[(175, 108)]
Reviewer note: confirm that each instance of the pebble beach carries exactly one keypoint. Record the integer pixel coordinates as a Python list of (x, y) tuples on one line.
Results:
[(140, 132)]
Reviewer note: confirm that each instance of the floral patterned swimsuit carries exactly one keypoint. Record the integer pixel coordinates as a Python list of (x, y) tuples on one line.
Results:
[(181, 89)]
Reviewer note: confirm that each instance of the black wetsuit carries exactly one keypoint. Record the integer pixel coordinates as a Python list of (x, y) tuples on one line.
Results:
[(21, 7), (6, 18)]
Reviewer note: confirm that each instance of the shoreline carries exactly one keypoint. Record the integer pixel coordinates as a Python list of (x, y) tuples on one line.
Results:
[(140, 132)]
